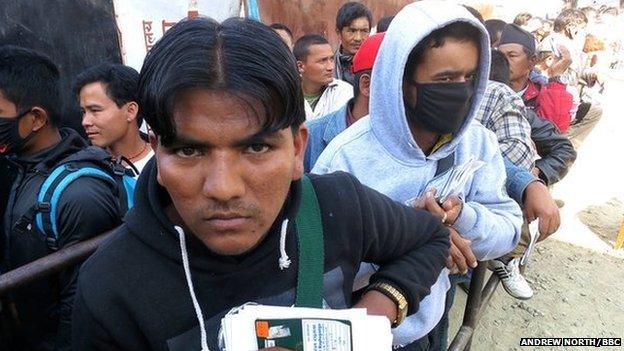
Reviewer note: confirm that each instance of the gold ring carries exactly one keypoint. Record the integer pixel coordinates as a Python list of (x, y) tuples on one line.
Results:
[(444, 218)]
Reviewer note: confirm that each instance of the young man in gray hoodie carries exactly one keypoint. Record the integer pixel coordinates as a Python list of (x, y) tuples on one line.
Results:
[(429, 76)]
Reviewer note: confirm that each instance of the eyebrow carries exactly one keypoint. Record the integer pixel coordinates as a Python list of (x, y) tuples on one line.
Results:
[(259, 137), (448, 73), (93, 105)]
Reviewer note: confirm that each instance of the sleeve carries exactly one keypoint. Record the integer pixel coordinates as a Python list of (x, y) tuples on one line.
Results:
[(490, 219), (86, 332), (518, 179), (87, 208), (555, 149), (410, 246), (513, 131)]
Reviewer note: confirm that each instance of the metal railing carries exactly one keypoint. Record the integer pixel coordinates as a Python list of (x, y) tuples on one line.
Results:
[(478, 299)]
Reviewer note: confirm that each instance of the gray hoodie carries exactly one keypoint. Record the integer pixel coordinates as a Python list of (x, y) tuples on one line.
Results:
[(381, 152)]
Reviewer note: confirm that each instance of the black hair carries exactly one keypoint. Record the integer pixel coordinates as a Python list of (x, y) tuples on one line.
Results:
[(495, 29), (119, 81), (522, 18), (499, 68), (302, 46), (475, 13), (350, 12), (461, 31), (356, 81), (384, 23), (281, 26), (29, 78), (240, 56), (567, 18)]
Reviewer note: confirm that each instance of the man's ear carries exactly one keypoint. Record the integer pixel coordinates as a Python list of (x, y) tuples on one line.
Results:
[(300, 67), (300, 141), (132, 111), (40, 118), (365, 81)]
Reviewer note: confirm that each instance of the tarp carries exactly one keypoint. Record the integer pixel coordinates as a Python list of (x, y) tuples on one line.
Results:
[(142, 22)]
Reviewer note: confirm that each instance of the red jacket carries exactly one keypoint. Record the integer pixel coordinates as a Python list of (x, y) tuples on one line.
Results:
[(551, 102)]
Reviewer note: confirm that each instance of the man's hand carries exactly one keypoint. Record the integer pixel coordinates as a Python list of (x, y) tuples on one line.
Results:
[(561, 65), (378, 304), (538, 204), (448, 212), (536, 172), (460, 253)]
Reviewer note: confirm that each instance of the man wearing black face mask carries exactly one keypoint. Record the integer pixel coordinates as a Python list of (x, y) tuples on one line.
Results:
[(438, 54), (32, 145)]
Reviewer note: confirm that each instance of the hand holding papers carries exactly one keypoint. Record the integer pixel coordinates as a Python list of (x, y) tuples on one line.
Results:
[(253, 327), (451, 182)]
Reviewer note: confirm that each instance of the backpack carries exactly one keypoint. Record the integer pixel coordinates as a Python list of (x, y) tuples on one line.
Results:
[(89, 162)]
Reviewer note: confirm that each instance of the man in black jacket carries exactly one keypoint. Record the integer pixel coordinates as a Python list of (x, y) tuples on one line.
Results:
[(214, 224), (32, 144)]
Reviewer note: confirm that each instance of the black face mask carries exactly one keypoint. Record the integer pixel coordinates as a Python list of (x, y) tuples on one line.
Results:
[(440, 108), (10, 139)]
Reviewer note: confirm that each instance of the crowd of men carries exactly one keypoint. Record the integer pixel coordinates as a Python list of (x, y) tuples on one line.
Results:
[(254, 138)]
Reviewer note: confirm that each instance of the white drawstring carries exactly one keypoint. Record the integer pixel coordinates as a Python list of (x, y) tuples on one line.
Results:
[(189, 283), (284, 261)]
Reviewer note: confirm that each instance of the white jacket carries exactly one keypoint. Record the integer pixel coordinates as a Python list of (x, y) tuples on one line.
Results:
[(336, 95)]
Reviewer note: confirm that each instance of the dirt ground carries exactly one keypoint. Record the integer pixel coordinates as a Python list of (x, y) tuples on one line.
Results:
[(577, 276)]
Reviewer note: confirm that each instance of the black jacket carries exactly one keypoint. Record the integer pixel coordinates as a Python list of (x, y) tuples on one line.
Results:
[(555, 149), (133, 295), (87, 207)]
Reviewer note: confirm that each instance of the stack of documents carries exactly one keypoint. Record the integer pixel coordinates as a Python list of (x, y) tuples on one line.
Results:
[(451, 182), (254, 327)]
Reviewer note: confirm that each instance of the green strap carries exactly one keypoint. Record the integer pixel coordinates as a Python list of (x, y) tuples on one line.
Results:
[(311, 249)]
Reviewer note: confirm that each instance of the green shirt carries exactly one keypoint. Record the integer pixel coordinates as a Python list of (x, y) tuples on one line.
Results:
[(313, 99)]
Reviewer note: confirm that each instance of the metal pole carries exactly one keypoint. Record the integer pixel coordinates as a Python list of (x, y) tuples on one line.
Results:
[(463, 338), (50, 264)]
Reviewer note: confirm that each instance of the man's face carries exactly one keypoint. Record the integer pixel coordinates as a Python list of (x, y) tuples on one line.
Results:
[(318, 65), (8, 110), (520, 64), (228, 182), (352, 36), (104, 122), (454, 62), (285, 37)]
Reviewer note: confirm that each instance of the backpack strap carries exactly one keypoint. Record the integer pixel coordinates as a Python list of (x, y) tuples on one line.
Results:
[(311, 249), (445, 164), (50, 194)]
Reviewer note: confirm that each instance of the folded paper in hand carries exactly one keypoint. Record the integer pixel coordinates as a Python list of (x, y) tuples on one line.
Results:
[(253, 327)]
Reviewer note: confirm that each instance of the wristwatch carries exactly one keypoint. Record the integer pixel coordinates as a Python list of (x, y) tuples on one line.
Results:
[(395, 295)]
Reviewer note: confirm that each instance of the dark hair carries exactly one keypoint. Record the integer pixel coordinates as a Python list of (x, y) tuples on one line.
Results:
[(384, 23), (495, 29), (350, 12), (608, 10), (302, 46), (499, 68), (119, 81), (567, 18), (461, 31), (356, 81), (281, 26), (28, 78), (240, 56), (522, 18), (475, 13)]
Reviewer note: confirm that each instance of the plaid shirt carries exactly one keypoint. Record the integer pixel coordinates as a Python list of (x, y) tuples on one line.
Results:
[(503, 112)]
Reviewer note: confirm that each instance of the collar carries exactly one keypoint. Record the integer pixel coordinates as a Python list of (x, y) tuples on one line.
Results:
[(531, 91)]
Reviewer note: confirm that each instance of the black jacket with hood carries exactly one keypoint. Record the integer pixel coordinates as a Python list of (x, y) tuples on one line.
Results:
[(133, 292), (87, 207)]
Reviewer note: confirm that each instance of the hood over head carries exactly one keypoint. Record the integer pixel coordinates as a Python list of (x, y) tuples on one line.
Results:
[(387, 111)]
